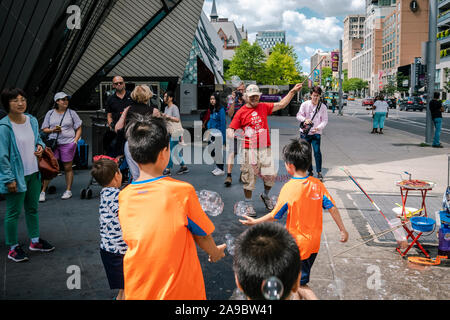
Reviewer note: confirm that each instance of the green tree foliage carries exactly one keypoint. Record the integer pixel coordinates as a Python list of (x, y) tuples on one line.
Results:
[(400, 79), (327, 73), (280, 68), (354, 85), (248, 62), (226, 67)]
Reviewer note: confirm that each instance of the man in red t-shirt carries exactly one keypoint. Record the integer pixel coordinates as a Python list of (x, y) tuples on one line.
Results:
[(257, 155)]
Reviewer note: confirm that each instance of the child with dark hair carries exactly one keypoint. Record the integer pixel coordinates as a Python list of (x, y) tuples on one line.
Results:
[(162, 221), (112, 247), (303, 199), (264, 251)]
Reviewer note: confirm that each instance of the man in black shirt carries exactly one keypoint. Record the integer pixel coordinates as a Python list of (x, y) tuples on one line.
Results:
[(436, 114), (115, 105)]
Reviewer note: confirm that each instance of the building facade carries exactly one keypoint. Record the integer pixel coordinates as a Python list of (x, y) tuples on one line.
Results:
[(353, 40), (268, 39), (229, 34), (443, 37), (146, 42)]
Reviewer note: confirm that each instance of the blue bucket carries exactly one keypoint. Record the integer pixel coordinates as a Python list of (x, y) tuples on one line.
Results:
[(422, 224)]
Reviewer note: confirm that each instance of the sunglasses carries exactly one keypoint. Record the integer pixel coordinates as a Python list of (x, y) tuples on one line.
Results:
[(118, 83)]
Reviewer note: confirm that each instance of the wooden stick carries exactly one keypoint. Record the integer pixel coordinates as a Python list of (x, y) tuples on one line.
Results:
[(373, 238)]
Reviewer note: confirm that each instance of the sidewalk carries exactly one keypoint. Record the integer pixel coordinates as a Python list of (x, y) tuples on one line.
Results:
[(376, 161)]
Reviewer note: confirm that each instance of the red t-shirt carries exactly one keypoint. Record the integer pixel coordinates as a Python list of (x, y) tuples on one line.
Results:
[(253, 121)]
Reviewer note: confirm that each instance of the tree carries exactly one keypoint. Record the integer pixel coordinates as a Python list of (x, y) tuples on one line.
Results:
[(226, 67), (327, 73), (400, 79), (248, 62), (280, 69), (390, 88)]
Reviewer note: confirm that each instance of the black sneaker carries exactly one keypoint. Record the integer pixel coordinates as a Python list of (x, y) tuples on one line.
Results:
[(310, 174), (319, 176), (167, 172), (183, 170), (17, 255), (437, 146), (42, 246)]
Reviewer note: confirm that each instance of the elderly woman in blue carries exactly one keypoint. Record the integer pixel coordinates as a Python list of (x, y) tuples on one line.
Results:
[(20, 181)]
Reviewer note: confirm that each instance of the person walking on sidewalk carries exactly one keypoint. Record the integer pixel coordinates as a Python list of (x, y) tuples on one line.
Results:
[(172, 113), (436, 110), (236, 102), (257, 155), (217, 121), (20, 180), (63, 124), (314, 113), (380, 111)]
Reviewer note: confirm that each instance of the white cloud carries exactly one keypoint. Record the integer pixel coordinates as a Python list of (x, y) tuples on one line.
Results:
[(306, 65)]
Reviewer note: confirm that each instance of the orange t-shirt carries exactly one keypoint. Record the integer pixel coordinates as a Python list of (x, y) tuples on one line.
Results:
[(159, 218), (304, 199)]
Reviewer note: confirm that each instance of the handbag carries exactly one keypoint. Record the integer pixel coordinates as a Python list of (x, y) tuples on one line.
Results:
[(52, 143), (174, 128), (48, 165)]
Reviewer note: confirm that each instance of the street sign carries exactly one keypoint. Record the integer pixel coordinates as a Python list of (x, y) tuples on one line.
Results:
[(335, 61)]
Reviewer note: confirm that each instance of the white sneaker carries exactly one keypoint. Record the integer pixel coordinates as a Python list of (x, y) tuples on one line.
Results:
[(42, 197), (219, 172), (214, 172), (66, 195)]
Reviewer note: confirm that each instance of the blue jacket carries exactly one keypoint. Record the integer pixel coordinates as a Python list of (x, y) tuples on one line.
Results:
[(11, 166), (218, 120)]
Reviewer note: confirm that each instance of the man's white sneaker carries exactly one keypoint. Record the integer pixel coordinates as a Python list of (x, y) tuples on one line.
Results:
[(42, 197), (214, 171), (66, 195), (219, 172)]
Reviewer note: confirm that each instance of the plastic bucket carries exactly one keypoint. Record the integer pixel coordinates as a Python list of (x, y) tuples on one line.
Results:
[(399, 233), (422, 224)]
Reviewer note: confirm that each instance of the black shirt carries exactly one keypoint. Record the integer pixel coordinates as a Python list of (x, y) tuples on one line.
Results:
[(435, 108), (115, 105)]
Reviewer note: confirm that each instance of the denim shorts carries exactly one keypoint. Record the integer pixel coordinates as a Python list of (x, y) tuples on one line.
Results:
[(306, 268)]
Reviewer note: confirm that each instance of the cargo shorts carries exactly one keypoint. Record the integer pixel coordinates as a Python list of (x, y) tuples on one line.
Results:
[(257, 163)]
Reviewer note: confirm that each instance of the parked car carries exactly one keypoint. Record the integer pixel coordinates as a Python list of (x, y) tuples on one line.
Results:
[(412, 103), (446, 106), (367, 102), (351, 98), (391, 102)]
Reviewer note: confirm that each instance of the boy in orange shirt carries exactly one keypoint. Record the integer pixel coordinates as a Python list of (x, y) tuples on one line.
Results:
[(162, 220), (303, 198)]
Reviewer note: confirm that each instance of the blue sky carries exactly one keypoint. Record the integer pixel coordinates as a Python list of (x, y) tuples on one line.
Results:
[(309, 25)]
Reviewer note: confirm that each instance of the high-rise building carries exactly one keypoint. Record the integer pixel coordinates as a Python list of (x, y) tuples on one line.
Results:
[(268, 39), (394, 32), (353, 40), (404, 31)]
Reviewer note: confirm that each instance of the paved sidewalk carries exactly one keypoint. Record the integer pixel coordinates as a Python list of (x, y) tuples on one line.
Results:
[(376, 161)]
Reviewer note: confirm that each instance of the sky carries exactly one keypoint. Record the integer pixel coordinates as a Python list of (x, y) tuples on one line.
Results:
[(310, 25)]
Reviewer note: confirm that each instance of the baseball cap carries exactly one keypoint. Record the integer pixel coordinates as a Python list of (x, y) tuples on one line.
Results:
[(61, 95), (253, 90)]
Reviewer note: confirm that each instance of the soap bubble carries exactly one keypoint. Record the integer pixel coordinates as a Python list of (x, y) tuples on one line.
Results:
[(229, 240), (211, 202), (235, 81), (240, 209), (272, 288)]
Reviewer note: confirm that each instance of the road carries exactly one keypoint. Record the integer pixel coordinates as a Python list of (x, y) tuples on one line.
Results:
[(410, 121)]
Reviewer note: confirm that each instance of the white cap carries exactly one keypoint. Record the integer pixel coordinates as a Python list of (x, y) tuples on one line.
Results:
[(253, 90), (61, 95)]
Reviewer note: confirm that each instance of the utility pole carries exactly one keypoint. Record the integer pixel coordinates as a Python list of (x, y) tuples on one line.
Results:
[(341, 103), (431, 66)]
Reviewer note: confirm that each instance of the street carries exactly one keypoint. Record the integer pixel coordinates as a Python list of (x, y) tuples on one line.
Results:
[(413, 122)]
